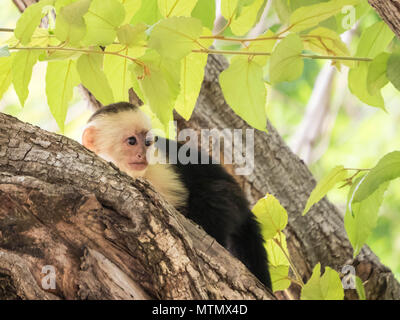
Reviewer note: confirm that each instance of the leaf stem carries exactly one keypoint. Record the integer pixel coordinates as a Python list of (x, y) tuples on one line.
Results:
[(308, 56), (292, 266), (80, 50), (6, 30)]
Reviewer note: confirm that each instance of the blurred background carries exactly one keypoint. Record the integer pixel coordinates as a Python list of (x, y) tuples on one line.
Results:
[(316, 115)]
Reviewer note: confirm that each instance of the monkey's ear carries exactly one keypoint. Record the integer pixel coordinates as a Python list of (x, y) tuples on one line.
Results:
[(89, 138)]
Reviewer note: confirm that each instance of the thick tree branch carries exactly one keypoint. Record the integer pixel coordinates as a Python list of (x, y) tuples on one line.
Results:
[(317, 237), (107, 236)]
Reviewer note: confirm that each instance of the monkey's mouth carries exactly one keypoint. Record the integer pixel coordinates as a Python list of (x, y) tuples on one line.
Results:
[(138, 166)]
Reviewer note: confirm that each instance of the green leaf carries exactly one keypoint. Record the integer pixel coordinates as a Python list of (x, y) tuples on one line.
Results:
[(277, 256), (30, 19), (360, 289), (376, 78), (148, 13), (335, 176), (310, 16), (5, 74), (159, 84), (89, 67), (175, 37), (286, 64), (4, 51), (70, 25), (228, 8), (247, 18), (327, 287), (131, 8), (170, 8), (192, 74), (282, 9), (393, 69), (271, 215), (117, 71), (327, 42), (279, 277), (51, 55), (361, 217), (374, 40), (61, 78), (265, 45), (387, 169), (102, 21), (244, 90), (22, 66), (358, 86), (132, 35), (205, 11)]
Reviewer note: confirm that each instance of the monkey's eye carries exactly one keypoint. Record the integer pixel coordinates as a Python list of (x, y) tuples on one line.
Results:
[(132, 141), (148, 142)]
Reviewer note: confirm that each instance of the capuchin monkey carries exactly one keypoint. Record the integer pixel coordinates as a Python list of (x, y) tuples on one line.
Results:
[(205, 193)]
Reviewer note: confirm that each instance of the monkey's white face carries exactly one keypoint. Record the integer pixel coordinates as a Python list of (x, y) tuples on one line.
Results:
[(131, 156), (122, 139)]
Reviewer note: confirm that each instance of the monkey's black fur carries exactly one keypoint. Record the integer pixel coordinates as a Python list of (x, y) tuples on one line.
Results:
[(217, 203)]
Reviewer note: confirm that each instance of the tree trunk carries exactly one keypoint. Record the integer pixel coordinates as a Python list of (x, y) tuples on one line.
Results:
[(389, 10), (68, 209)]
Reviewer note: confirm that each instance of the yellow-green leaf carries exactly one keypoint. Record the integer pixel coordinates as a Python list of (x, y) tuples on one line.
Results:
[(132, 35), (387, 169), (335, 176), (286, 64), (361, 217), (310, 16), (61, 78), (175, 37), (148, 13), (358, 86), (374, 40), (327, 287), (102, 21), (360, 289), (277, 254), (192, 73), (247, 18), (271, 215), (70, 25), (393, 69), (131, 8), (22, 66), (170, 8), (228, 8), (377, 78), (327, 42), (5, 74), (205, 11), (279, 277), (30, 19), (117, 71), (160, 84), (89, 67), (265, 45), (244, 90)]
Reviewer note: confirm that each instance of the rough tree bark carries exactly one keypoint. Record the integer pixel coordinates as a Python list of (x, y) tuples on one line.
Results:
[(106, 235), (63, 213)]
